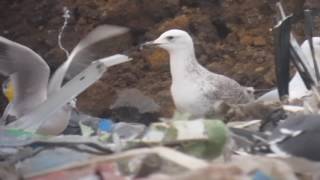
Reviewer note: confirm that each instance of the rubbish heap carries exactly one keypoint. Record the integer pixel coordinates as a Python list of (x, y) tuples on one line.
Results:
[(261, 140)]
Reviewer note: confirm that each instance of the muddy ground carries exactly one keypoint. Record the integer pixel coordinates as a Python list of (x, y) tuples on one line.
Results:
[(232, 37)]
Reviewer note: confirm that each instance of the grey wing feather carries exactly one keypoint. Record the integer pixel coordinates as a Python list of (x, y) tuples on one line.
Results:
[(28, 72), (6, 65), (84, 57), (80, 62), (308, 136), (80, 57), (228, 90), (272, 95), (308, 122)]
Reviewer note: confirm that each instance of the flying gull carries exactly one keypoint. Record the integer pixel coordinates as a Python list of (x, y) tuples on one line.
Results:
[(195, 89), (29, 75)]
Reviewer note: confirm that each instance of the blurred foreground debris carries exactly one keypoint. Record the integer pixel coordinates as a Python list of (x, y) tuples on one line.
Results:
[(135, 152), (152, 163)]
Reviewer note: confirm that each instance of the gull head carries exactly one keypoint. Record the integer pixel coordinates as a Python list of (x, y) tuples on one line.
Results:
[(8, 89), (172, 40)]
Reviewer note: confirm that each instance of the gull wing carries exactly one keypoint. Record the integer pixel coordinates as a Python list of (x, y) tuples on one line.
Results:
[(80, 57), (29, 74), (297, 87), (70, 90), (298, 135)]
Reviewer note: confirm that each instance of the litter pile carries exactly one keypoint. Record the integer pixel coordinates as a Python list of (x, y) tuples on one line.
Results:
[(263, 139)]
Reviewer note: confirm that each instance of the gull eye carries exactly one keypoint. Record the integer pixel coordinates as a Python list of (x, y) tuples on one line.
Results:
[(170, 38)]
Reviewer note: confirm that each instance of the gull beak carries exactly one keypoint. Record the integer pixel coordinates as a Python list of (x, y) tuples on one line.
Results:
[(149, 44)]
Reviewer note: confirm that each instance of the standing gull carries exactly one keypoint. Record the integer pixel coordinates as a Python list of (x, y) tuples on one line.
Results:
[(195, 89)]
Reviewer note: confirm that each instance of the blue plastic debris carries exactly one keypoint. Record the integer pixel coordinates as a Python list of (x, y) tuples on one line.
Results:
[(259, 175), (105, 125)]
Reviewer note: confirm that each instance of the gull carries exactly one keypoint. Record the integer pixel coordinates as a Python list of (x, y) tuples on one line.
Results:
[(297, 88), (195, 89), (29, 75), (296, 142)]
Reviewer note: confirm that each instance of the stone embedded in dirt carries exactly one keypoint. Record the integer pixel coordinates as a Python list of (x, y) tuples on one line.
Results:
[(259, 69), (135, 98), (139, 14), (252, 40), (259, 41), (314, 4), (179, 22), (132, 105), (156, 57), (246, 40)]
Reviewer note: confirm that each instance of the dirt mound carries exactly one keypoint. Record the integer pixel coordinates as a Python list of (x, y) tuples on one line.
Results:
[(231, 38)]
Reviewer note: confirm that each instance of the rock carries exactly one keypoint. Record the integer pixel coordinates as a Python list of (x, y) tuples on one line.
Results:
[(314, 4), (259, 41), (259, 69), (252, 40), (139, 14), (156, 57), (179, 22), (246, 40), (132, 105), (135, 98)]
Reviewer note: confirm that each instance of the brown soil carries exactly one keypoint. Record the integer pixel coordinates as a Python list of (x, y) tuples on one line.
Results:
[(231, 38)]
